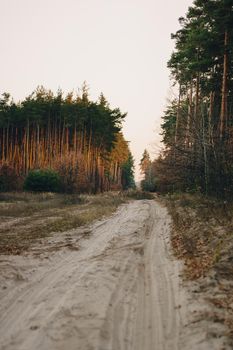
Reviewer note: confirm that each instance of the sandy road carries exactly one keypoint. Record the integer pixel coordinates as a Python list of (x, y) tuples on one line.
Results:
[(120, 290)]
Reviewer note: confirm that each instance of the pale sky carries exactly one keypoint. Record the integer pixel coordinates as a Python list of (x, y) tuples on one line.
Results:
[(120, 47)]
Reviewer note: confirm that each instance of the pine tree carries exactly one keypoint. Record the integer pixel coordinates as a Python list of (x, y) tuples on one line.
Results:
[(197, 126)]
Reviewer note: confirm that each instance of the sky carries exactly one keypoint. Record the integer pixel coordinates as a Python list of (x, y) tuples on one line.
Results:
[(119, 47)]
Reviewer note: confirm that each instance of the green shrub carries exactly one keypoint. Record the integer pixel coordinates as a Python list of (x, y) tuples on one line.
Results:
[(136, 194), (42, 180), (149, 185)]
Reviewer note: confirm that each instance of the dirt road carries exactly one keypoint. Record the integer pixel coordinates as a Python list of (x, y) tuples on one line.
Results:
[(120, 289)]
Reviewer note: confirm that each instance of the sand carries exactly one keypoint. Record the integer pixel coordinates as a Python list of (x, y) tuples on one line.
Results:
[(118, 288)]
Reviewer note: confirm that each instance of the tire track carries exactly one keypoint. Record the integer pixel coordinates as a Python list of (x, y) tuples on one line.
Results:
[(120, 291)]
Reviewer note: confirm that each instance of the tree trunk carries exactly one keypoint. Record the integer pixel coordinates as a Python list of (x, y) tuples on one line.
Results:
[(178, 116), (223, 114), (210, 117), (190, 115), (206, 167), (196, 108)]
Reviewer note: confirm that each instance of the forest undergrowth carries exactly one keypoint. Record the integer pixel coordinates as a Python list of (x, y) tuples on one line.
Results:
[(202, 236)]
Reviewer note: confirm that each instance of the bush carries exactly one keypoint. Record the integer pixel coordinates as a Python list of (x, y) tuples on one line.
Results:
[(9, 180), (43, 180), (149, 186), (136, 194), (71, 170)]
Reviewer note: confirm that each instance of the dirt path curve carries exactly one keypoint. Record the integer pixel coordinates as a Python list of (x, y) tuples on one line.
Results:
[(119, 291)]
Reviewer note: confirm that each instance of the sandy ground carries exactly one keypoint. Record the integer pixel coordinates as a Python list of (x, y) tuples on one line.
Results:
[(118, 288)]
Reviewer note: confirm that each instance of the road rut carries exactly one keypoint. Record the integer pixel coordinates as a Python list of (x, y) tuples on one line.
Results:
[(119, 291)]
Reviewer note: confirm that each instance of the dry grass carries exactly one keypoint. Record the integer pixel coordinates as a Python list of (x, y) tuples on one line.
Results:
[(202, 231), (138, 195), (26, 204), (27, 218), (203, 237), (98, 206)]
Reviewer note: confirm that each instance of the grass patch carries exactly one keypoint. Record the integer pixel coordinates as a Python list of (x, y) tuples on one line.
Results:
[(98, 207), (26, 204), (26, 218)]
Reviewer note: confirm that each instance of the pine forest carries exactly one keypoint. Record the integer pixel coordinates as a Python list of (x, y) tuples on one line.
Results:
[(78, 138), (197, 125)]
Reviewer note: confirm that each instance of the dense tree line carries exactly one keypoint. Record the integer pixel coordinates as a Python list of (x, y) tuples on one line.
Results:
[(69, 133), (197, 126), (148, 172)]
